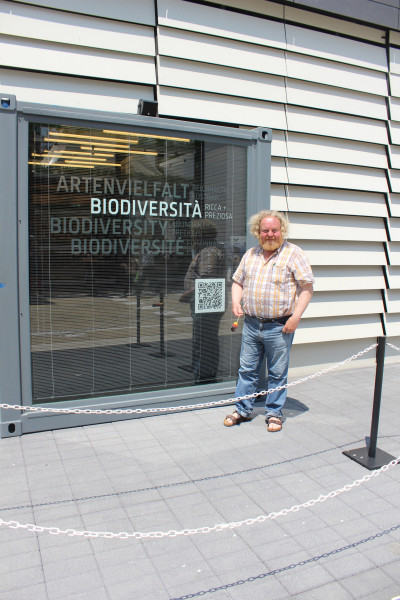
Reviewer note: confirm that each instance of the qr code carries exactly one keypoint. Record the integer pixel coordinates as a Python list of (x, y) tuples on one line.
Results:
[(210, 295)]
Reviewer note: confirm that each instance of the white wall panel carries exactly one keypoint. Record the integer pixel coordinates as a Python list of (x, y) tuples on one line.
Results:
[(321, 252), (394, 109), (338, 328), (336, 125), (67, 28), (303, 172), (278, 144), (394, 131), (394, 204), (335, 227), (335, 201), (393, 275), (226, 109), (393, 324), (350, 52), (394, 229), (205, 19), (220, 51), (73, 91), (394, 253), (314, 95), (332, 278), (394, 178), (135, 11), (262, 7), (393, 301), (335, 150), (223, 80), (279, 172), (73, 60), (329, 72), (278, 198), (394, 84), (394, 156), (394, 60), (326, 304)]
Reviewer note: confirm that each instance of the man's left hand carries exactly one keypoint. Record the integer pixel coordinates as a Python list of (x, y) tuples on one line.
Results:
[(291, 325)]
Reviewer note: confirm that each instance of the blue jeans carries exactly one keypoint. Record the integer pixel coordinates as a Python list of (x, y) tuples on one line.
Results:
[(259, 340)]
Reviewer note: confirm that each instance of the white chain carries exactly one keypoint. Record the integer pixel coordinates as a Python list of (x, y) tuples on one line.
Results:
[(123, 535), (392, 346), (131, 411)]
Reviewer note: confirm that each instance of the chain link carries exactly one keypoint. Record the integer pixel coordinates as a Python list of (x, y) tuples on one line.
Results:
[(394, 347), (123, 535), (163, 409)]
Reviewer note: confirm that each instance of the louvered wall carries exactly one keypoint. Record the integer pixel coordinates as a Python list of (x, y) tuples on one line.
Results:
[(332, 100)]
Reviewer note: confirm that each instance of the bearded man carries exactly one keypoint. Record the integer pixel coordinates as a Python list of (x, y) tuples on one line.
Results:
[(274, 281)]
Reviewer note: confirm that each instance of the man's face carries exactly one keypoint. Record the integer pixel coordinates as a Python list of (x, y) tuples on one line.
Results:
[(270, 235)]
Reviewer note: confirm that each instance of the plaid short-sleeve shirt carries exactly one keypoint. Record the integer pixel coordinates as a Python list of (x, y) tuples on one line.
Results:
[(271, 288)]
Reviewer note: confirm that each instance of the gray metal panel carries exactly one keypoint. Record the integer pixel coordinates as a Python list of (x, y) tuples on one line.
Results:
[(385, 14), (10, 390)]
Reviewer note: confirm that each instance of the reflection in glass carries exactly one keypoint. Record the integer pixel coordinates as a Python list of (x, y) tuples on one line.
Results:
[(115, 221)]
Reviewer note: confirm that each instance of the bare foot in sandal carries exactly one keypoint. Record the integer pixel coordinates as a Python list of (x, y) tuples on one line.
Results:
[(274, 423), (234, 419)]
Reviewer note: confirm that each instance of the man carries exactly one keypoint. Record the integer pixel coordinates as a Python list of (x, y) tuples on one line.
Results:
[(275, 283)]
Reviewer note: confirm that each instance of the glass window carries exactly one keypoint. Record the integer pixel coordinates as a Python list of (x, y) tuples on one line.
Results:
[(133, 238)]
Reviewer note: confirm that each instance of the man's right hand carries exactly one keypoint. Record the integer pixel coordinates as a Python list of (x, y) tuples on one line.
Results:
[(237, 310)]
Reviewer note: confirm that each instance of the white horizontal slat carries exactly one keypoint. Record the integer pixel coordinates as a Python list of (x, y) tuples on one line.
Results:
[(223, 80), (394, 253), (338, 328), (394, 156), (134, 11), (304, 172), (312, 147), (315, 95), (220, 51), (394, 60), (73, 60), (394, 84), (73, 91), (394, 130), (394, 177), (393, 275), (335, 201), (329, 72), (278, 144), (205, 19), (394, 108), (279, 172), (334, 304), (394, 229), (336, 227), (344, 50), (336, 125), (79, 30), (393, 325), (331, 278), (278, 198), (213, 107), (321, 252), (394, 200), (323, 21), (393, 301), (262, 7)]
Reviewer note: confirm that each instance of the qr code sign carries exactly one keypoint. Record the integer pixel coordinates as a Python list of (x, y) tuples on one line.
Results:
[(210, 295)]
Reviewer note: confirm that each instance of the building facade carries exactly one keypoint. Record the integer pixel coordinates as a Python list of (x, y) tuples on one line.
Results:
[(325, 80)]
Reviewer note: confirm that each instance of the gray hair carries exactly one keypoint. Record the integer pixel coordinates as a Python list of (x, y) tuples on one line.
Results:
[(255, 220)]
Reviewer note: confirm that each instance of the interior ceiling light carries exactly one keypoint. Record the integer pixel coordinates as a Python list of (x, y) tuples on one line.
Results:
[(41, 164), (106, 164), (119, 151), (110, 146), (147, 135), (71, 152), (87, 137)]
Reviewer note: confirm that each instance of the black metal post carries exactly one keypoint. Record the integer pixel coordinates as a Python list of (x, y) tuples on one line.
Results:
[(371, 457), (380, 363)]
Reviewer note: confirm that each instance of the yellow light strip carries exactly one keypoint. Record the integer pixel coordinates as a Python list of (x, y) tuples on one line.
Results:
[(105, 164), (62, 152), (122, 151), (147, 135), (38, 164), (78, 156), (87, 144), (87, 137)]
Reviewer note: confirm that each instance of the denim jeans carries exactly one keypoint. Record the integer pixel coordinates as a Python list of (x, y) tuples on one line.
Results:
[(259, 340)]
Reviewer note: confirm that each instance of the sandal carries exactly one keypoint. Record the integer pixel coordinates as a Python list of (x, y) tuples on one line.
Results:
[(235, 419), (274, 424)]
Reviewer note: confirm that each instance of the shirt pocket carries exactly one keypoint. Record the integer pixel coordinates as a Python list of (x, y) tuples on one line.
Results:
[(280, 275)]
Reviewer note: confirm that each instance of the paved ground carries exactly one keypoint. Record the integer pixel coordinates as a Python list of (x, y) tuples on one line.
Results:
[(186, 471)]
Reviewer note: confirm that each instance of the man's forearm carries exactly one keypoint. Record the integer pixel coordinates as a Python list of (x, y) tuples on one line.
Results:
[(301, 305), (237, 293)]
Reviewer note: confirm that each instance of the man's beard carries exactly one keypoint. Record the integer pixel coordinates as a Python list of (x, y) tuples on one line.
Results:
[(272, 245)]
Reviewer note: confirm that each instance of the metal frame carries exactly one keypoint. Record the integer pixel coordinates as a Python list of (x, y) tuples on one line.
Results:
[(15, 359)]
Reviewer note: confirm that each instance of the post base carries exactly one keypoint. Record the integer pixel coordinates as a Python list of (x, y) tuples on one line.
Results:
[(360, 455)]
